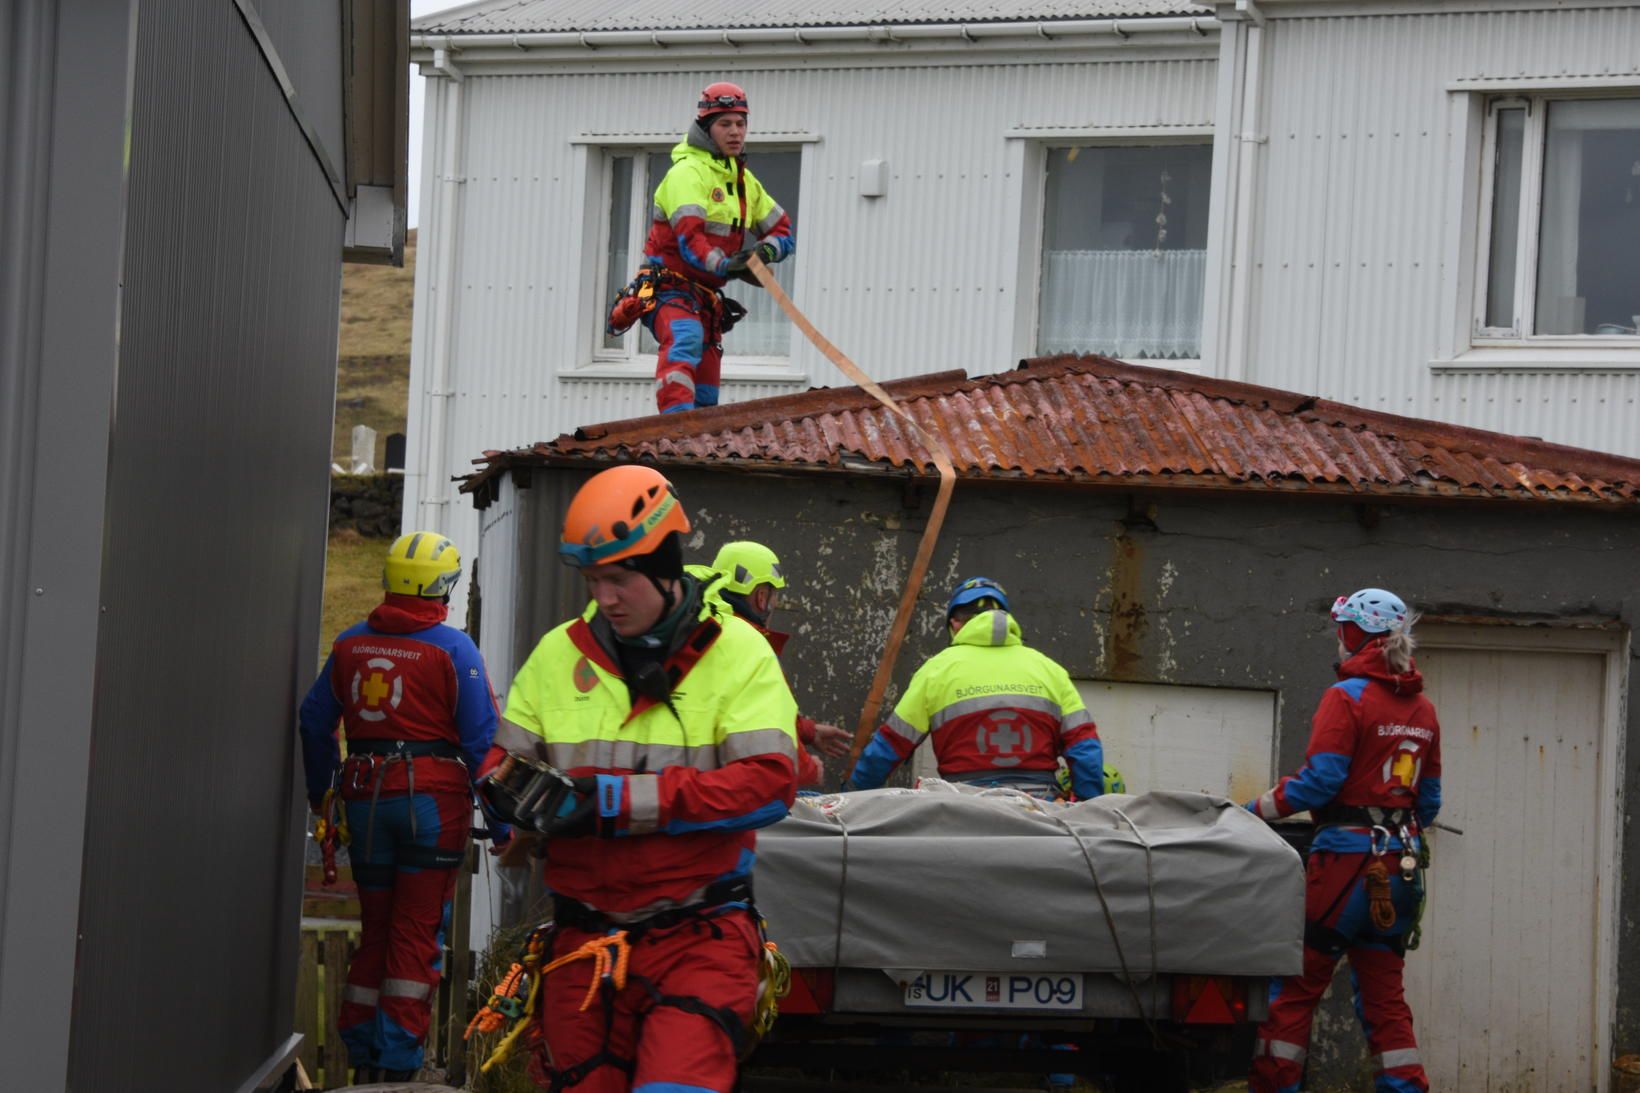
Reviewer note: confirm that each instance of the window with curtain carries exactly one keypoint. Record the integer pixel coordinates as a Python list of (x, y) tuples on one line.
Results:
[(1124, 250), (633, 175), (1560, 255)]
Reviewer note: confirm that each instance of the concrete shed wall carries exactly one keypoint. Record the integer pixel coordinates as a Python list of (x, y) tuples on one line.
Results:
[(1169, 588)]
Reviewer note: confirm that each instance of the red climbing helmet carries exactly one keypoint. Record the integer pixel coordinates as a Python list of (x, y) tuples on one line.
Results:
[(721, 98)]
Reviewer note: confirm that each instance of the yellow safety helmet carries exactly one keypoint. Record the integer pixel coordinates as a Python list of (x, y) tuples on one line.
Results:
[(422, 563), (745, 565)]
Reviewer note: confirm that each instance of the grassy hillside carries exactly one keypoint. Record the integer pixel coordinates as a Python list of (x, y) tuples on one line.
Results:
[(373, 352), (372, 388)]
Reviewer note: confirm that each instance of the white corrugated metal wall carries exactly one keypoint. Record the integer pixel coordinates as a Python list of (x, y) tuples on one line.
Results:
[(1352, 240), (923, 279)]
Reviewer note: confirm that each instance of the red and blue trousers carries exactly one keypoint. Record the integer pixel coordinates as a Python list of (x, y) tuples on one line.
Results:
[(404, 850), (1338, 922), (690, 363), (669, 1029)]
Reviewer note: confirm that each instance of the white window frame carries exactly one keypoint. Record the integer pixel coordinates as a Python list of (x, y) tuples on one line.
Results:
[(1028, 161), (598, 361), (1529, 216)]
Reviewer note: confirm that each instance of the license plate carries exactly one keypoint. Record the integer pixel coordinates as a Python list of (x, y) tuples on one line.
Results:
[(998, 990)]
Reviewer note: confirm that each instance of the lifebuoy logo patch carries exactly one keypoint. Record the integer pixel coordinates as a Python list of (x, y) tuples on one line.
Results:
[(717, 193)]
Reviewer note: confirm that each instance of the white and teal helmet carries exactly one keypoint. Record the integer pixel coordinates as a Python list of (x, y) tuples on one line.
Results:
[(1374, 610)]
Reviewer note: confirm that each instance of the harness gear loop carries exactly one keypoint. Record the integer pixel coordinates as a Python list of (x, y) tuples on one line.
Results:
[(523, 978), (774, 982)]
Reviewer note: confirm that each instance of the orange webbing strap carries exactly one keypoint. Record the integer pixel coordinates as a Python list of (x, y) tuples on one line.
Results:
[(610, 954), (936, 517)]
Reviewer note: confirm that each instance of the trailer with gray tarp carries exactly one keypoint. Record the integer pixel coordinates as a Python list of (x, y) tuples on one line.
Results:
[(951, 928)]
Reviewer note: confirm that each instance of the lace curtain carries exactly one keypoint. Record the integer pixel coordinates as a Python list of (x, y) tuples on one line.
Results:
[(1122, 303)]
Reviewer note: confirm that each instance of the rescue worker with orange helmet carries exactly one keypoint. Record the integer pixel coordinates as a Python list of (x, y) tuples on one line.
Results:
[(673, 721), (415, 703), (710, 214), (1372, 779), (749, 579), (999, 712)]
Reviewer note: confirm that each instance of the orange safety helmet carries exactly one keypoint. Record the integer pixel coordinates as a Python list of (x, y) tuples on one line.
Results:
[(621, 515), (721, 98)]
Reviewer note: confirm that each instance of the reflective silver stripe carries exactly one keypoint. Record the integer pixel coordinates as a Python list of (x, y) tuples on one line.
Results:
[(1267, 806), (359, 996), (905, 728), (1280, 1049), (1406, 1056), (643, 803), (514, 738), (406, 988), (754, 742), (771, 220), (714, 256), (999, 700), (1075, 720), (631, 755), (999, 628), (685, 210), (677, 376), (714, 227), (657, 213)]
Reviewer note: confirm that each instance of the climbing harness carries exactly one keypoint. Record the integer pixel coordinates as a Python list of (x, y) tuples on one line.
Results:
[(642, 295), (517, 997)]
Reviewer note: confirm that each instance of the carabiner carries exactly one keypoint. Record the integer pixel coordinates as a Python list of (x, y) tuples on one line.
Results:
[(1378, 846)]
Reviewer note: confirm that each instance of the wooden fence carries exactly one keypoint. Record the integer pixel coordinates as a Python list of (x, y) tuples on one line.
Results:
[(325, 951)]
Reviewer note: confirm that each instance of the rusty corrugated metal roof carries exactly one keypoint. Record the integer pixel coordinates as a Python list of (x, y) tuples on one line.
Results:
[(1094, 421)]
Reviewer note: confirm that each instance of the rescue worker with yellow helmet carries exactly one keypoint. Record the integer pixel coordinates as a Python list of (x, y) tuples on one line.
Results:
[(749, 579), (710, 215), (414, 701), (673, 723), (999, 713)]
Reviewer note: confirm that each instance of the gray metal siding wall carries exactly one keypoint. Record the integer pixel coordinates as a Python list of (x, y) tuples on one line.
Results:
[(63, 110), (1194, 590), (213, 562)]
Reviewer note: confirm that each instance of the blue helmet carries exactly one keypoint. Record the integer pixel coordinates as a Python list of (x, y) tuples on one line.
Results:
[(974, 589)]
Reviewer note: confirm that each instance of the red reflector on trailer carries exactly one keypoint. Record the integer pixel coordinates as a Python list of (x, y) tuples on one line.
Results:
[(811, 991), (1210, 1008)]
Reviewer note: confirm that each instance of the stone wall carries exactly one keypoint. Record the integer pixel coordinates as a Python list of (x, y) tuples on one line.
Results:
[(370, 504)]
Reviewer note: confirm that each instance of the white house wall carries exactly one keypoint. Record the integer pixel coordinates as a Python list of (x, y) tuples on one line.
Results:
[(923, 279), (1356, 257)]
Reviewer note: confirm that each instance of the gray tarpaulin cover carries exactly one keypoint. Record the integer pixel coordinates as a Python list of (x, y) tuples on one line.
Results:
[(949, 877)]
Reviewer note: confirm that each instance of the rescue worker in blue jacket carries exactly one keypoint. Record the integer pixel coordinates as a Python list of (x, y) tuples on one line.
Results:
[(415, 703)]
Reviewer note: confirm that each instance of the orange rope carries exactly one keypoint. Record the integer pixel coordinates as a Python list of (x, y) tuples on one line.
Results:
[(611, 956), (1378, 896)]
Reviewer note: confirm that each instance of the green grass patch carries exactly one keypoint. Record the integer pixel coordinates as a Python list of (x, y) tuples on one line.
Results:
[(353, 583)]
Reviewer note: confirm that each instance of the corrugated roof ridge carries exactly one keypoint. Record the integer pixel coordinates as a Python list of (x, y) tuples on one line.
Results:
[(1483, 443)]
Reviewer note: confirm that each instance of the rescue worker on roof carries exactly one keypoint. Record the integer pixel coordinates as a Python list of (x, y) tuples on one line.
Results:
[(999, 713), (415, 703), (747, 576), (710, 215), (1372, 780), (675, 723)]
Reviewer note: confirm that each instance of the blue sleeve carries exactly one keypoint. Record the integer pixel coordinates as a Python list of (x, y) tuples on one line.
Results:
[(1317, 782), (476, 718), (875, 764), (317, 719), (1429, 801), (1086, 758)]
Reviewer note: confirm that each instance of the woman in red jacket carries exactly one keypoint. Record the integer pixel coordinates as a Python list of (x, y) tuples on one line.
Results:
[(1372, 779)]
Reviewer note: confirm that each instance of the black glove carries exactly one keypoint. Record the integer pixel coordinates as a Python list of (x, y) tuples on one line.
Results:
[(580, 818), (769, 253)]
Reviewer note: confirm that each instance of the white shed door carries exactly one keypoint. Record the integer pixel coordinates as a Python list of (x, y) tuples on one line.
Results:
[(1199, 739), (1504, 989)]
